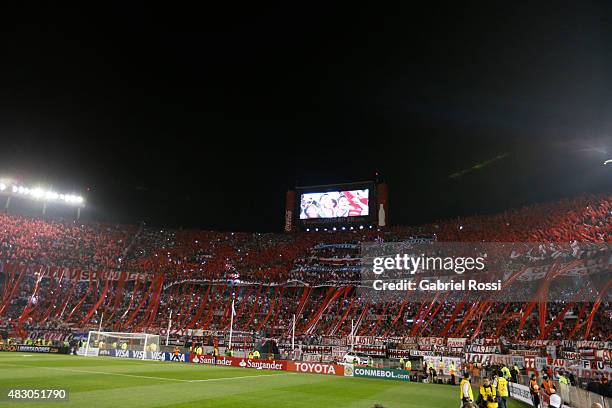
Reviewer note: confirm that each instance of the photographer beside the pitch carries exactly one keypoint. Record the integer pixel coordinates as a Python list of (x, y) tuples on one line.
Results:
[(488, 395)]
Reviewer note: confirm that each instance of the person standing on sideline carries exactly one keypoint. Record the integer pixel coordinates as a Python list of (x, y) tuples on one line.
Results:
[(175, 354), (488, 394), (506, 372), (501, 386), (534, 389), (451, 371), (465, 390), (564, 386), (516, 371)]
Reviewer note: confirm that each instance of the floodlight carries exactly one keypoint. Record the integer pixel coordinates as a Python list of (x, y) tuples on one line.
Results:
[(37, 192), (51, 195), (40, 193)]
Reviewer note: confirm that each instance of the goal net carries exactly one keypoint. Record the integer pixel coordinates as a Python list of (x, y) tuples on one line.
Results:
[(129, 343)]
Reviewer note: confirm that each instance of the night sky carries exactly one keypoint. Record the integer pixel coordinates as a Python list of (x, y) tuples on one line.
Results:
[(204, 117)]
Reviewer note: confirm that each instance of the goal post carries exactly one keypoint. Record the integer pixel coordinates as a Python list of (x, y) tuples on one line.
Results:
[(127, 342)]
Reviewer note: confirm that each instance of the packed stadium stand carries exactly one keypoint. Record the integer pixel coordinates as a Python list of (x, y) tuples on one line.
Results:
[(58, 275)]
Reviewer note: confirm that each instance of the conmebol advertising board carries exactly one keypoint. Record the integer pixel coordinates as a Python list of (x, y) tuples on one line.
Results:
[(382, 373)]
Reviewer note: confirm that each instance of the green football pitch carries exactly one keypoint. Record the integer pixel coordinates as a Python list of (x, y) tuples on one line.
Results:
[(109, 382)]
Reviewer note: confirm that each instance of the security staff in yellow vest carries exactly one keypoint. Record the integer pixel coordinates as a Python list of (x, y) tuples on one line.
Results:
[(401, 363), (451, 370), (465, 389), (515, 372), (488, 395), (500, 384), (564, 386), (505, 371), (408, 365), (256, 354)]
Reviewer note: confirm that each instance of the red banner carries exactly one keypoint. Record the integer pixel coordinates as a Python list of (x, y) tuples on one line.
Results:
[(429, 341), (456, 342)]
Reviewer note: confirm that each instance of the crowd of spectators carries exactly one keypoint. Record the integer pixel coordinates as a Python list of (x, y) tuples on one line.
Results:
[(195, 274)]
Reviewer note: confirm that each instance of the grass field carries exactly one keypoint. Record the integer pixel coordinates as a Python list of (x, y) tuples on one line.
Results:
[(108, 382)]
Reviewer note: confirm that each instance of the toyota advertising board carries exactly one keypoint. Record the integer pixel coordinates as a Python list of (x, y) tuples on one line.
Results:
[(315, 368)]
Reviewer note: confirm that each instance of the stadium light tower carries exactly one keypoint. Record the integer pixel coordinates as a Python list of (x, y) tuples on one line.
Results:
[(11, 189)]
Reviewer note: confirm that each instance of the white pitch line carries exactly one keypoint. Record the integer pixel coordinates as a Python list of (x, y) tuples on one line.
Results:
[(119, 374), (154, 378)]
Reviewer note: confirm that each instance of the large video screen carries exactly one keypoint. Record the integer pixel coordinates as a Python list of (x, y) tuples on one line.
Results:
[(335, 204)]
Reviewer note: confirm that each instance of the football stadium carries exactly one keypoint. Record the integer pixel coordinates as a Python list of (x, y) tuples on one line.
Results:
[(284, 206), (114, 314)]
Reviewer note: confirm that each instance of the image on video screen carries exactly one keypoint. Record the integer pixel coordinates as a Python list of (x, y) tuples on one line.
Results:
[(335, 204)]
